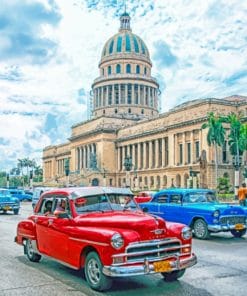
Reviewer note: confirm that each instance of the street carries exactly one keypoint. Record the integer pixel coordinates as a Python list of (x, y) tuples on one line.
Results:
[(221, 270)]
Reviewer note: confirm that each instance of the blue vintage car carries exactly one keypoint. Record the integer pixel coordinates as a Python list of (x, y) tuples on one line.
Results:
[(8, 202), (20, 194), (199, 209)]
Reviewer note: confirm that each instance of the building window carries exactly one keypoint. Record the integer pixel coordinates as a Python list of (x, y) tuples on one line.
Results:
[(103, 72), (145, 71), (129, 93), (197, 146), (118, 69), (166, 152), (128, 68), (189, 152), (146, 95), (109, 70), (103, 111), (129, 110), (137, 69), (110, 95), (136, 93), (119, 44), (115, 111), (122, 93), (180, 153), (116, 91), (127, 42), (111, 47), (143, 48), (142, 111)]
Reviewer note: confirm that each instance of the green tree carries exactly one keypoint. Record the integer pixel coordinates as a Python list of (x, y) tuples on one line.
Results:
[(215, 136)]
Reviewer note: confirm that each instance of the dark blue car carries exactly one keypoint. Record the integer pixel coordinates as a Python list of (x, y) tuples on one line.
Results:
[(199, 209), (8, 202)]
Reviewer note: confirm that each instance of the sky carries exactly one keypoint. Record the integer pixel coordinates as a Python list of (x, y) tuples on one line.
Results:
[(50, 50)]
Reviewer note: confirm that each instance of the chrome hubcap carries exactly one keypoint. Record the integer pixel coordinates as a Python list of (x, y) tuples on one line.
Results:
[(93, 271), (199, 229)]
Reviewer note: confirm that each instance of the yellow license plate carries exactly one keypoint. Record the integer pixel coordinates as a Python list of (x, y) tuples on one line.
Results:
[(162, 266), (239, 226), (7, 208)]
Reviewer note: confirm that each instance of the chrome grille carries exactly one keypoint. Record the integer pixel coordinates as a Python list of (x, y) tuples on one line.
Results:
[(233, 220), (153, 250)]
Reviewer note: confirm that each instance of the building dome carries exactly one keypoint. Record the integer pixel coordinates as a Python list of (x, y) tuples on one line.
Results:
[(125, 43), (125, 87)]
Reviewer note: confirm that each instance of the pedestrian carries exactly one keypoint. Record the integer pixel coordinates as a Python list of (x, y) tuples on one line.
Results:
[(242, 195)]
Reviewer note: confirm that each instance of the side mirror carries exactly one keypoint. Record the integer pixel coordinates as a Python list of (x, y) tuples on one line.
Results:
[(145, 210)]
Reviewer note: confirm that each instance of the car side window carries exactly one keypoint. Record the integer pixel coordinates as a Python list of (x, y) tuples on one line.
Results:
[(163, 198), (62, 205), (175, 199), (46, 207)]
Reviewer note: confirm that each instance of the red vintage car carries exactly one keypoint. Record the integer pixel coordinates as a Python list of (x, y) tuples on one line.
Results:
[(144, 196), (103, 231)]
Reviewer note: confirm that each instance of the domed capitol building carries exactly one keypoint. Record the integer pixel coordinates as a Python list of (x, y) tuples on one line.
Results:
[(127, 142)]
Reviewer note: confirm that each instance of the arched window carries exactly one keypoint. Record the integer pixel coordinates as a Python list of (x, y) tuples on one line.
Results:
[(109, 70), (127, 44), (128, 69), (136, 44), (119, 44), (137, 69), (118, 69), (145, 71)]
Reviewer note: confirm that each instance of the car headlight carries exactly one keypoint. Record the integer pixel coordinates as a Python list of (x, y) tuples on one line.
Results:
[(186, 233), (117, 241), (216, 214)]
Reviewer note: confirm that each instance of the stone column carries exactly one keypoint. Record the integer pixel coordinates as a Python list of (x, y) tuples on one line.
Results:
[(150, 156), (192, 147), (139, 156), (157, 156), (145, 164), (118, 159), (163, 152), (126, 94), (184, 148)]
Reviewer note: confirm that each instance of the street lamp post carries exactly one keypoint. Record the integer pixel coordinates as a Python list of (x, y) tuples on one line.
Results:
[(236, 161), (128, 165)]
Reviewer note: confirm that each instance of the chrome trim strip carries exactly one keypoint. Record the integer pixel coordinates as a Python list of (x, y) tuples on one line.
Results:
[(88, 241)]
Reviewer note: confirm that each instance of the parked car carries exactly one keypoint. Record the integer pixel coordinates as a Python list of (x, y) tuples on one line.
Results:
[(8, 202), (37, 192), (20, 194), (144, 196), (103, 230), (199, 209)]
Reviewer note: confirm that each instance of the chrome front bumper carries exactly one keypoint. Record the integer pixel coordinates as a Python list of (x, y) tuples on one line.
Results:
[(147, 267), (218, 228)]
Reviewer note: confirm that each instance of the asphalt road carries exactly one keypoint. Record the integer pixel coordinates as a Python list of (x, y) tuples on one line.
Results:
[(221, 270)]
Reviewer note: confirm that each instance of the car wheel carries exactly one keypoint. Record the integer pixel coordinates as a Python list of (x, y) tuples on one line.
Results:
[(200, 229), (31, 255), (94, 275), (173, 276), (238, 233), (16, 212)]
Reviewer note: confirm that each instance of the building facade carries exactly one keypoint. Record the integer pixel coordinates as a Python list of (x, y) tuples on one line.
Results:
[(127, 142)]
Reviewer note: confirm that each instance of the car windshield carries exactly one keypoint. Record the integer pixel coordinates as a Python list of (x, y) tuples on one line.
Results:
[(195, 197), (104, 203)]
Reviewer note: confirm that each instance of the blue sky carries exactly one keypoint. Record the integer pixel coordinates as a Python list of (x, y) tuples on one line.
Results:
[(50, 49)]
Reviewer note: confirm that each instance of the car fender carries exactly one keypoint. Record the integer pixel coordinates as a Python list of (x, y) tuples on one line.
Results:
[(26, 230)]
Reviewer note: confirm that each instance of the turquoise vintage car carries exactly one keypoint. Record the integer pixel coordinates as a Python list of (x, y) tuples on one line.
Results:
[(8, 202), (199, 209)]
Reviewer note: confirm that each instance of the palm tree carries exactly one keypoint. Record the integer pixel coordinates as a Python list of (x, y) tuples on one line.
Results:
[(237, 141), (215, 136)]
